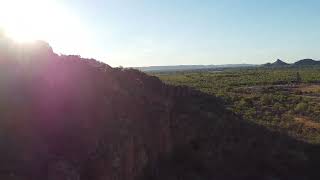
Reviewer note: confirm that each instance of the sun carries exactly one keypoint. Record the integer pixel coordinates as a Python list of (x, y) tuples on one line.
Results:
[(24, 20), (48, 20)]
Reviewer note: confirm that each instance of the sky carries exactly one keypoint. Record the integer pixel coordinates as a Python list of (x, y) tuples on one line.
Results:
[(172, 32)]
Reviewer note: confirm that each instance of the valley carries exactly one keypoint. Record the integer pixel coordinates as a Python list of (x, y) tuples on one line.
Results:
[(275, 98)]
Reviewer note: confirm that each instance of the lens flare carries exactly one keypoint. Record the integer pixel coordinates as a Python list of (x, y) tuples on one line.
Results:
[(48, 20)]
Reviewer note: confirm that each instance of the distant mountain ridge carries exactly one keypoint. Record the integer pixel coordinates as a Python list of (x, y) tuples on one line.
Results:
[(278, 62), (190, 67), (306, 62), (302, 62)]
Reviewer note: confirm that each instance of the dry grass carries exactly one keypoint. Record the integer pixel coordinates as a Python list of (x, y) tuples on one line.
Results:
[(314, 88), (307, 122)]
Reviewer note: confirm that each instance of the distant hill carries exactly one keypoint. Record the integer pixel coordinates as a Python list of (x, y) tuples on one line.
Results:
[(277, 63), (303, 62), (190, 67), (280, 63), (306, 62)]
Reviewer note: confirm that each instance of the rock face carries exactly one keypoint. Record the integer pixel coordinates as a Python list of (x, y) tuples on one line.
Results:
[(68, 118)]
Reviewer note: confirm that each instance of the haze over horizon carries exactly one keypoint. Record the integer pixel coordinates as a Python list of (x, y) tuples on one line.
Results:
[(148, 33)]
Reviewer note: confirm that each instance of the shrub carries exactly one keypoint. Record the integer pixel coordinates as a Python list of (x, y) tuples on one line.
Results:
[(301, 108), (266, 99)]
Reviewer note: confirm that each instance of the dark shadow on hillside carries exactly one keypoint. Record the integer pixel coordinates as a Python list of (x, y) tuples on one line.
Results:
[(227, 147)]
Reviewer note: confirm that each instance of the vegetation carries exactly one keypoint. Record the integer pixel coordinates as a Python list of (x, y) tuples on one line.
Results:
[(282, 99)]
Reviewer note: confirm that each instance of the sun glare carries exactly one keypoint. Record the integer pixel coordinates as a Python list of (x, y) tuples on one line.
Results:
[(48, 20)]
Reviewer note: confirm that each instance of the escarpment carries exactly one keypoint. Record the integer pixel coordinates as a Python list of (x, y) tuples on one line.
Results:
[(68, 118)]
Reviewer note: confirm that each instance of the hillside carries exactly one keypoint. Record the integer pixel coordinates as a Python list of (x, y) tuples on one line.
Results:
[(306, 62), (68, 118)]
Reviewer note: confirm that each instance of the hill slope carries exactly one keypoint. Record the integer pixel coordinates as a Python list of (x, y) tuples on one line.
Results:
[(68, 118), (306, 62)]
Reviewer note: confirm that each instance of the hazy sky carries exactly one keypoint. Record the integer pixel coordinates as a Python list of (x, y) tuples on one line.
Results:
[(169, 32)]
